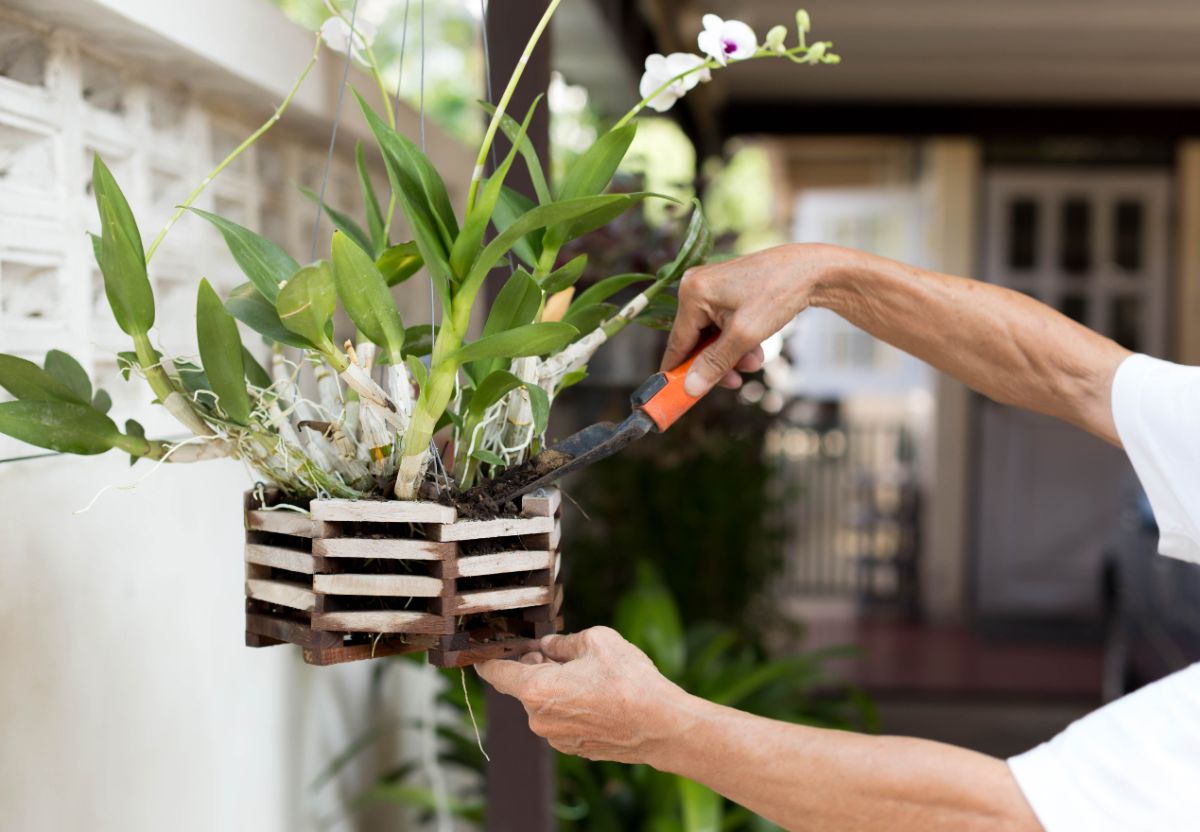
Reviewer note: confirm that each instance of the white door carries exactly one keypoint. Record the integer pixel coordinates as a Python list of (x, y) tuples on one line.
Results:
[(1093, 243)]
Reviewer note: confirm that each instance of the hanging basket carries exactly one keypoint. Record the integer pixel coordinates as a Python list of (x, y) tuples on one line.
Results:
[(359, 579)]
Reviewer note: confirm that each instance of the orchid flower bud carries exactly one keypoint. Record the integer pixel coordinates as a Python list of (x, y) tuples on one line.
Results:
[(816, 52), (803, 24), (775, 39)]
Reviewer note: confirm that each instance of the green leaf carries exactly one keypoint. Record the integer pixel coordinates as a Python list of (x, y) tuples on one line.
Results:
[(470, 240), (70, 372), (365, 295), (221, 354), (566, 276), (134, 428), (418, 340), (518, 304), (697, 245), (587, 318), (399, 263), (557, 236), (571, 379), (306, 303), (27, 381), (484, 455), (593, 170), (604, 289), (123, 265), (659, 313), (533, 339), (417, 368), (194, 380), (492, 389), (256, 373), (59, 426), (429, 223), (127, 360), (539, 402), (563, 212), (375, 222), (248, 305), (102, 402), (104, 184), (703, 809), (510, 208), (342, 221), (649, 617), (525, 145), (264, 263)]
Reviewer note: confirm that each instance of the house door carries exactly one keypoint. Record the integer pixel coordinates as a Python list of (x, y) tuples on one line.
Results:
[(1092, 243)]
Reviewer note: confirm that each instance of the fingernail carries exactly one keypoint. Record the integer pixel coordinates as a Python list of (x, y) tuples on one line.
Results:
[(695, 385)]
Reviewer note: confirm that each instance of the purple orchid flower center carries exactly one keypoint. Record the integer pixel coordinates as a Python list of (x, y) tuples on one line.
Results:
[(729, 46)]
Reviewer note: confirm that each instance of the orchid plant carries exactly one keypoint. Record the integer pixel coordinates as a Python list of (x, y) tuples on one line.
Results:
[(382, 395)]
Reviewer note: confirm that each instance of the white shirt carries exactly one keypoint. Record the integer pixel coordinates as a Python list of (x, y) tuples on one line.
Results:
[(1134, 765)]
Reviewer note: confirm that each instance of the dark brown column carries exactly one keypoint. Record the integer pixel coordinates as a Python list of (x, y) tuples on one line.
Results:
[(520, 777)]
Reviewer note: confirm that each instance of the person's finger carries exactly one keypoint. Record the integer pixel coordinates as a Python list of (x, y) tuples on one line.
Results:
[(717, 360), (690, 321), (752, 361), (731, 381), (559, 648), (533, 658), (506, 676)]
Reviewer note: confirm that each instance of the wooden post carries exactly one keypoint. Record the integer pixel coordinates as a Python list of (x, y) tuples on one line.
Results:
[(520, 777)]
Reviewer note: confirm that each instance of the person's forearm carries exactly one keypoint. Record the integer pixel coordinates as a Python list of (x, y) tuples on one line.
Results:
[(815, 779), (999, 342)]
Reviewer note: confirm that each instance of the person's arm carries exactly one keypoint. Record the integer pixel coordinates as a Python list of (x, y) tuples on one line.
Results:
[(595, 695), (1001, 343)]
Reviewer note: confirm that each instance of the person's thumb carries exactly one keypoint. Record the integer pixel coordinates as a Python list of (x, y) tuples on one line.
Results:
[(711, 365), (560, 648)]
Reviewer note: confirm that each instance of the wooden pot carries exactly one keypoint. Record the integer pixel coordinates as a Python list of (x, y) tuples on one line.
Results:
[(359, 579)]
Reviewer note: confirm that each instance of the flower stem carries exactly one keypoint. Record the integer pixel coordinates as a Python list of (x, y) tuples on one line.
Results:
[(267, 125), (494, 126)]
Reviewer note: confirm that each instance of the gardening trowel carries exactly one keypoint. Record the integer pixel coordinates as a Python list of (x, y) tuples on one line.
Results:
[(657, 404)]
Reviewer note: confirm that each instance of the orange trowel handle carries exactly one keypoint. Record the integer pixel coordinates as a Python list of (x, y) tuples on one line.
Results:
[(662, 396)]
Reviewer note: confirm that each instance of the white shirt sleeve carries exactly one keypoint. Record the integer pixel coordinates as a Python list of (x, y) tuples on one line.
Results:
[(1134, 765), (1156, 407)]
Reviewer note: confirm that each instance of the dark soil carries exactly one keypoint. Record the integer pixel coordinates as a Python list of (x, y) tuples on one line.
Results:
[(482, 502)]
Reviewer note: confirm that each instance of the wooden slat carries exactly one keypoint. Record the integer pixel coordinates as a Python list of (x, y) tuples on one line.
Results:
[(558, 600), (281, 522), (479, 529), (509, 648), (501, 562), (358, 652), (557, 566), (543, 505), (501, 599), (285, 594), (404, 586), (382, 511), (281, 558), (379, 621), (391, 549), (555, 537), (289, 631)]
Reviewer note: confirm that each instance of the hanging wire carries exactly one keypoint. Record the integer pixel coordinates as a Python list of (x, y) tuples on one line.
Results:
[(337, 117)]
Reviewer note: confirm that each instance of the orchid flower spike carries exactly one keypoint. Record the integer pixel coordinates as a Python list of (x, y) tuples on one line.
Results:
[(663, 68), (727, 40)]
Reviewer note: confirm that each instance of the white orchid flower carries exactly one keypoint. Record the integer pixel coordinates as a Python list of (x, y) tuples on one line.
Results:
[(336, 33), (663, 68), (727, 40)]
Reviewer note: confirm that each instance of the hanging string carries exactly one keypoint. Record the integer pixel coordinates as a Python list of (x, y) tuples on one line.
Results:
[(337, 117)]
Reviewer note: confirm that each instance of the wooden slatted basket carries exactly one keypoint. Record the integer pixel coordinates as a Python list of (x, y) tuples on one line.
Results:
[(359, 579)]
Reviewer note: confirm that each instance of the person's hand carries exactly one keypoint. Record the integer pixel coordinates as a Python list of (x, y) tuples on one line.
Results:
[(592, 694), (749, 299)]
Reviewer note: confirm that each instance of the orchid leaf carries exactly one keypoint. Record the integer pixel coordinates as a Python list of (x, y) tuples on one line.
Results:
[(102, 401), (488, 457), (511, 206), (306, 303), (418, 370), (256, 373), (565, 276), (604, 289), (512, 130), (221, 354), (532, 339), (659, 313), (123, 264), (499, 384), (399, 263), (587, 318), (342, 221), (262, 261), (375, 222), (516, 305), (591, 173), (70, 372), (418, 340), (104, 184), (248, 305), (27, 381), (470, 239), (365, 295), (559, 234), (697, 245), (134, 428), (61, 426)]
